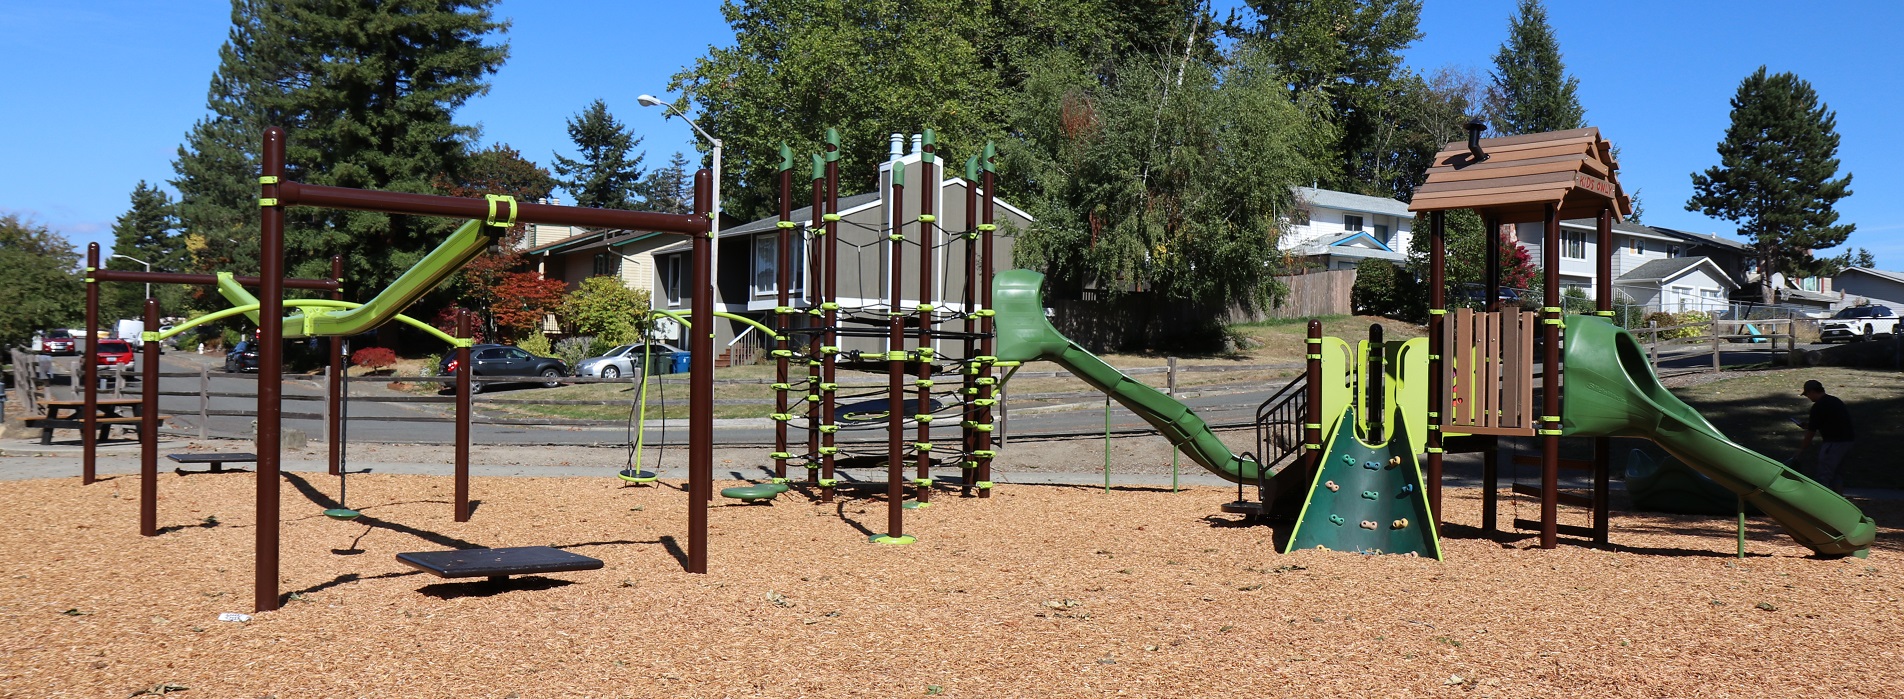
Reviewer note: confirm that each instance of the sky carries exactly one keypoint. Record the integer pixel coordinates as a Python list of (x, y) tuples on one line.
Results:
[(104, 91)]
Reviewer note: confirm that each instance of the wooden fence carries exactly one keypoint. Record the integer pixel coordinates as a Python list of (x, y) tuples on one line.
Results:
[(1325, 293)]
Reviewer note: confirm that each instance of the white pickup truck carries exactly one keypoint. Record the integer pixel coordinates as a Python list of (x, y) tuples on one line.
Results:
[(1858, 323)]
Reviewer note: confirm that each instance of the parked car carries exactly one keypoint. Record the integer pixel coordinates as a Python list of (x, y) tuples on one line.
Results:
[(242, 357), (114, 353), (1858, 323), (622, 361), (1476, 293), (503, 360), (59, 343)]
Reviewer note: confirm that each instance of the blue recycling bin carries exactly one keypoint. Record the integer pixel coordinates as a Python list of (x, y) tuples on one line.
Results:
[(680, 363)]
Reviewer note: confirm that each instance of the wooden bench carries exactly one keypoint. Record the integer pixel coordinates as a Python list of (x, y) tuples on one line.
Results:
[(47, 425), (217, 461), (498, 564)]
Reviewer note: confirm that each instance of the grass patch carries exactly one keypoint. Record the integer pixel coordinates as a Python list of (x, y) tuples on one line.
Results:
[(1754, 409)]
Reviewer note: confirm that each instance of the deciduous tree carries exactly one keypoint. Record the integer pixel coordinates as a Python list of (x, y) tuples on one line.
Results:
[(42, 288), (604, 308)]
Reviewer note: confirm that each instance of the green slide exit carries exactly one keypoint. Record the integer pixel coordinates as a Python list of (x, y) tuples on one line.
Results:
[(1611, 391), (1024, 335)]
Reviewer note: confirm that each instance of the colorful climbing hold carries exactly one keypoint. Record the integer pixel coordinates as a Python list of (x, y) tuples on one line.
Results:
[(1331, 485), (1367, 524), (1394, 461), (1370, 494), (1337, 519), (1370, 465), (1399, 524)]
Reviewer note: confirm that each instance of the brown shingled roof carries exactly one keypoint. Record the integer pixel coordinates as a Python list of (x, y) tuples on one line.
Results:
[(1520, 175)]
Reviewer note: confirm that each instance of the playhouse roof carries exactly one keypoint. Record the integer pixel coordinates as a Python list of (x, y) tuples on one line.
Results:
[(1519, 175)]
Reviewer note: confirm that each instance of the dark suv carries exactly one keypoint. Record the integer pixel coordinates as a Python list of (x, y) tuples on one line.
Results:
[(1857, 323), (242, 357), (504, 360)]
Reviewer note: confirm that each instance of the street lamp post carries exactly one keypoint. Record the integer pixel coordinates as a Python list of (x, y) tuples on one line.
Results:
[(148, 269), (653, 101)]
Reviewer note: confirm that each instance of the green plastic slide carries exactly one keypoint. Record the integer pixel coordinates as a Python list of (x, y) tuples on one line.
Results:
[(1611, 391), (464, 245), (1024, 335)]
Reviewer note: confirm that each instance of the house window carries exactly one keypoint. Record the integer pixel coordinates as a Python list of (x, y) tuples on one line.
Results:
[(1299, 217), (766, 279), (674, 272), (1638, 246), (1573, 244), (607, 264), (1381, 232), (1685, 297), (1672, 251), (1351, 223)]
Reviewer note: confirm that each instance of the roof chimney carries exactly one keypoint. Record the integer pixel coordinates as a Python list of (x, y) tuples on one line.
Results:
[(898, 146), (1474, 128)]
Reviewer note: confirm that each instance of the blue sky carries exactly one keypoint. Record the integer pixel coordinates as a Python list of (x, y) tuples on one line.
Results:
[(103, 92)]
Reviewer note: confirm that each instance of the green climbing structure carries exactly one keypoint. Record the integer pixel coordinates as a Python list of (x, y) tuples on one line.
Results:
[(1367, 498)]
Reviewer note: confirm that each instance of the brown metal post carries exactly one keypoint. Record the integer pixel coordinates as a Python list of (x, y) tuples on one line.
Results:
[(334, 422), (922, 492), (1437, 352), (701, 382), (1550, 382), (829, 361), (464, 371), (896, 362), (782, 306), (89, 373), (987, 390), (820, 397), (270, 368), (1603, 446), (968, 386), (1491, 457), (149, 427)]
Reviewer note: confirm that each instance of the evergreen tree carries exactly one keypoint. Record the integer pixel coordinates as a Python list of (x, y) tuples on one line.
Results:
[(1775, 175), (43, 288), (365, 92), (1532, 90), (1348, 52), (670, 189), (148, 231), (606, 176)]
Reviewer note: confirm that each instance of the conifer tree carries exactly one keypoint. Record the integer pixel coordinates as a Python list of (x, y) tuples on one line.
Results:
[(670, 189), (366, 92), (1775, 176), (608, 174), (1532, 90), (147, 231)]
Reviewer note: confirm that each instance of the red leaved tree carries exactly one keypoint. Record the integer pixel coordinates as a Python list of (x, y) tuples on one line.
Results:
[(1517, 267), (521, 301), (497, 284)]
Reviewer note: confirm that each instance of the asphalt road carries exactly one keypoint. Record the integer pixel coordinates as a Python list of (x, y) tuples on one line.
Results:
[(379, 422)]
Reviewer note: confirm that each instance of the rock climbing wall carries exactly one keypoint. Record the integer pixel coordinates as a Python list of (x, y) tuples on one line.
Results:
[(1367, 498)]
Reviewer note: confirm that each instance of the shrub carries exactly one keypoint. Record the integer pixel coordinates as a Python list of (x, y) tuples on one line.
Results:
[(536, 343), (572, 350), (1376, 291), (1574, 300), (374, 357), (604, 308), (1669, 320)]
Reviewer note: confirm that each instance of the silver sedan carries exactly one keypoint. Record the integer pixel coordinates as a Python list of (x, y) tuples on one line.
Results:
[(623, 360)]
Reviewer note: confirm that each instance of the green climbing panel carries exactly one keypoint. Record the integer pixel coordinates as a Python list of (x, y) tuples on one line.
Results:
[(1367, 498)]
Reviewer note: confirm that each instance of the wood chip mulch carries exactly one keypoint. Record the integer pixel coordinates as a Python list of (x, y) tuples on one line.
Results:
[(1040, 591)]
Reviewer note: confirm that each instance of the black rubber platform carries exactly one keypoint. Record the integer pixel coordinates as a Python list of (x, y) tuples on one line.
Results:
[(497, 564)]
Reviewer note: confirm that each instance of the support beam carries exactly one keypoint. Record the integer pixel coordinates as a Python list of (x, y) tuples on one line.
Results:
[(149, 428), (701, 380), (1550, 382), (1603, 446), (1437, 351), (89, 373), (270, 369), (460, 508)]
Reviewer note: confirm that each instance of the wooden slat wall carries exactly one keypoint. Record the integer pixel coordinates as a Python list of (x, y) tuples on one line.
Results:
[(1488, 386)]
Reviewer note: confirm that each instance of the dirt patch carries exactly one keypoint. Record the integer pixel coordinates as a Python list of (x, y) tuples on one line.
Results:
[(1038, 591)]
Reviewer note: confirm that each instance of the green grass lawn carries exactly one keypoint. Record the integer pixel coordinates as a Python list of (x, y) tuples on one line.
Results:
[(1754, 409)]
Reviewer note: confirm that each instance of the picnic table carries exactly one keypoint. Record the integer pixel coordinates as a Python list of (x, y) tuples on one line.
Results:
[(70, 415)]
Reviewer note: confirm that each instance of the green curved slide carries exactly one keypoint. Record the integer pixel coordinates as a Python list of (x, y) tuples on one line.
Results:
[(1612, 392), (1024, 335), (464, 245)]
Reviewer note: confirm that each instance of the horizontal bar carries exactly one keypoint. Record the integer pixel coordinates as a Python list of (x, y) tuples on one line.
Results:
[(120, 275), (1566, 498), (297, 193), (1567, 529)]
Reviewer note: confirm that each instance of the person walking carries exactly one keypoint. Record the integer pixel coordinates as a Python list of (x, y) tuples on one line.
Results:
[(1831, 420)]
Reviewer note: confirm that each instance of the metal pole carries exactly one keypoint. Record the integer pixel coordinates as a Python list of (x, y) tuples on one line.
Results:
[(922, 490), (149, 428), (1550, 383), (89, 370), (701, 382), (896, 362), (820, 393), (1312, 405), (1603, 446), (1741, 499), (783, 281), (204, 399), (270, 368), (1107, 443), (1437, 360), (968, 436), (334, 418), (830, 314), (987, 330), (463, 408)]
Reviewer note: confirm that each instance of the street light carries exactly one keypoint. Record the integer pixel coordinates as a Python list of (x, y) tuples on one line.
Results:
[(148, 270), (653, 101)]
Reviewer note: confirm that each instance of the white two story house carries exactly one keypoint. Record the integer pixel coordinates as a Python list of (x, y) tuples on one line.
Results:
[(1336, 230), (1652, 267)]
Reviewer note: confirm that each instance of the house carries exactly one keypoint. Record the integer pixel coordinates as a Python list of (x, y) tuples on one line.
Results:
[(747, 259), (1337, 230), (1867, 286), (1652, 267)]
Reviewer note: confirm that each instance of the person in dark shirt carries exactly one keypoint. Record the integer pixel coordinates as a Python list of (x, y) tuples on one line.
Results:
[(1831, 420)]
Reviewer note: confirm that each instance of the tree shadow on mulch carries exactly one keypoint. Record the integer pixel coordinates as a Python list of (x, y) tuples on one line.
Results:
[(323, 501), (345, 579)]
